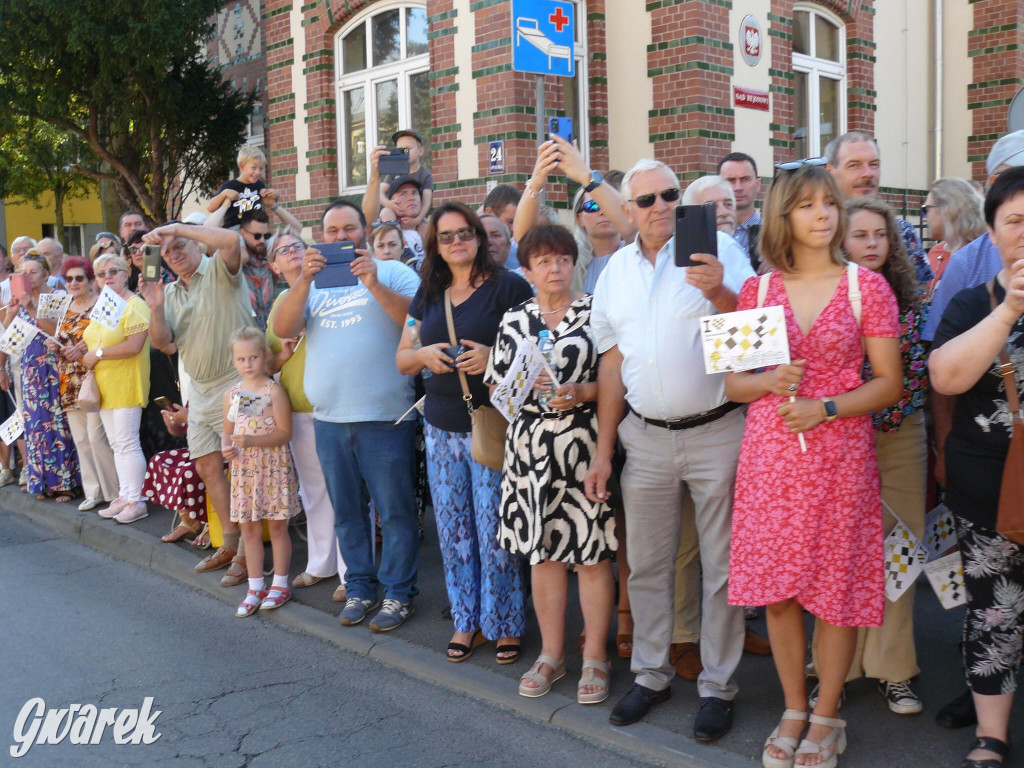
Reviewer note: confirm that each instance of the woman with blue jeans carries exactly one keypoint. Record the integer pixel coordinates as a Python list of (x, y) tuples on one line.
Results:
[(485, 583)]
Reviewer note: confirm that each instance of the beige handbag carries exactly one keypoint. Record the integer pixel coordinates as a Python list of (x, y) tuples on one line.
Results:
[(89, 394), (489, 426)]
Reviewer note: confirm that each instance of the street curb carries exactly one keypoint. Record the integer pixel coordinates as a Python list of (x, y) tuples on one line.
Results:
[(640, 741)]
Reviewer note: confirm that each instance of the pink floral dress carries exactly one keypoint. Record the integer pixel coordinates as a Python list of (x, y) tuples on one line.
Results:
[(809, 525), (264, 485)]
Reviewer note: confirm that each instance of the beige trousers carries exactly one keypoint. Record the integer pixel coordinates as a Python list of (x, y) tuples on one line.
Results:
[(887, 652)]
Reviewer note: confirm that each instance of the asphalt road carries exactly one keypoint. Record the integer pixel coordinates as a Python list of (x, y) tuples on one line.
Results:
[(79, 626)]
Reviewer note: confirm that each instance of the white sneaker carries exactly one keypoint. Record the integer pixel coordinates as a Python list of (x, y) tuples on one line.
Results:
[(115, 508), (86, 505), (23, 479), (6, 477), (134, 511)]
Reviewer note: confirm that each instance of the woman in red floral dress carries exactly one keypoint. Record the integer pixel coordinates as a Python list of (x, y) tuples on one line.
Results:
[(807, 526)]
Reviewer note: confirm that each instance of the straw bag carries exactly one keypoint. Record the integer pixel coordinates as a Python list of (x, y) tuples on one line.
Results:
[(489, 426), (1010, 519)]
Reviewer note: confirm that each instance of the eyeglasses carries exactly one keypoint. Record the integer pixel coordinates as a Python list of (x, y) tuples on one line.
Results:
[(291, 248), (794, 165), (925, 207), (591, 206), (466, 234), (109, 273), (646, 201), (133, 249), (257, 236), (76, 279)]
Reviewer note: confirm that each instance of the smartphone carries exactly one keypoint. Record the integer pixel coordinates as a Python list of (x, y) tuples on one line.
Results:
[(696, 232), (20, 285), (455, 352), (338, 272), (151, 263), (395, 162), (561, 126), (164, 403)]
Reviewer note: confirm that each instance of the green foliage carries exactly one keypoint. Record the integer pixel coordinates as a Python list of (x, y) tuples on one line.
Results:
[(130, 80)]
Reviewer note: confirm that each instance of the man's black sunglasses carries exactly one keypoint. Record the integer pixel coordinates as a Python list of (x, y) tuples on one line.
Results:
[(646, 201)]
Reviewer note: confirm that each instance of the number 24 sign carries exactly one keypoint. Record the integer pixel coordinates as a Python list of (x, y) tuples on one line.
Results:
[(496, 155)]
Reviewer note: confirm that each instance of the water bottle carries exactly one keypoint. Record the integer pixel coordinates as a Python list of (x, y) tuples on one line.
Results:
[(414, 337), (547, 348)]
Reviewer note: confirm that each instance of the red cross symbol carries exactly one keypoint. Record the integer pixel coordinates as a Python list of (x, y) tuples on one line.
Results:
[(559, 19)]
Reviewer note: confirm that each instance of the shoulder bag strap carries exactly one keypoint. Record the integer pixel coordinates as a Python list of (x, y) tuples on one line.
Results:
[(1006, 368), (762, 288), (853, 290), (466, 396)]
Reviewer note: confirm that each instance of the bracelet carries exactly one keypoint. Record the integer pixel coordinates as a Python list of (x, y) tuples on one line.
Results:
[(533, 194)]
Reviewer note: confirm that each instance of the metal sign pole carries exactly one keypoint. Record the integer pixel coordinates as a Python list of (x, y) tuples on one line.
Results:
[(541, 133)]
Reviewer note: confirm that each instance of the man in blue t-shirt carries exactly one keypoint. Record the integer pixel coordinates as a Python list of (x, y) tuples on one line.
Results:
[(358, 394)]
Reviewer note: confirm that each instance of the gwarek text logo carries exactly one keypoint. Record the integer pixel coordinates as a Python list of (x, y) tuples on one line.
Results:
[(82, 725)]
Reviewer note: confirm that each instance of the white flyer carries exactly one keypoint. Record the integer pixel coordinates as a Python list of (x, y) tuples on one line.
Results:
[(947, 577), (742, 341)]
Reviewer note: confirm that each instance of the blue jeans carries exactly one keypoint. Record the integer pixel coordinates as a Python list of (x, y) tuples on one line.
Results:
[(380, 454)]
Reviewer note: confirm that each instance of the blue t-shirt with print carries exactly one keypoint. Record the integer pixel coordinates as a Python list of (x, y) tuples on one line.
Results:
[(351, 374)]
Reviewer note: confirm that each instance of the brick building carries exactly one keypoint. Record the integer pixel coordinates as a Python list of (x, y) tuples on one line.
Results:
[(685, 81), (236, 48)]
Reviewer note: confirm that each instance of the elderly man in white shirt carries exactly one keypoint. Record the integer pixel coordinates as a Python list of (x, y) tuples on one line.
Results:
[(680, 436)]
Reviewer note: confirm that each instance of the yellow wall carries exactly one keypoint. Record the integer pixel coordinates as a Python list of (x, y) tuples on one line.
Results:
[(24, 218)]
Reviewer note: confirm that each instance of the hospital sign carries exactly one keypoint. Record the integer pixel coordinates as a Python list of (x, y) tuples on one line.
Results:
[(543, 37)]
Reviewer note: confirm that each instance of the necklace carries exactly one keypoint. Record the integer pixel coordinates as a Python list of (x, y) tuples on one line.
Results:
[(553, 311)]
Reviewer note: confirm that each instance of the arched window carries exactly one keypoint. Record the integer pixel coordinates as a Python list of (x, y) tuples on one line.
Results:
[(382, 84), (819, 85)]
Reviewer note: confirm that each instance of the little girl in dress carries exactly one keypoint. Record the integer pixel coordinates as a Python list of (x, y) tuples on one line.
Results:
[(257, 429)]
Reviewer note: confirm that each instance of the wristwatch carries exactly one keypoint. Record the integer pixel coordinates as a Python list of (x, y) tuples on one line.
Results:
[(99, 353), (596, 180), (831, 414)]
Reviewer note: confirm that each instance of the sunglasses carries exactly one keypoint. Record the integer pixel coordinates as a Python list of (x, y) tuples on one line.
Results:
[(794, 165), (590, 206), (289, 249), (466, 234), (646, 201), (109, 273), (257, 236), (76, 279)]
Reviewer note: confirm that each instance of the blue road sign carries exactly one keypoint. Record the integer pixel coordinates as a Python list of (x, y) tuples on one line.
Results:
[(543, 37), (496, 157)]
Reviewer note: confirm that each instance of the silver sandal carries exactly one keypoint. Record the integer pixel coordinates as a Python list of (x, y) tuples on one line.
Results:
[(831, 746), (543, 683), (785, 744)]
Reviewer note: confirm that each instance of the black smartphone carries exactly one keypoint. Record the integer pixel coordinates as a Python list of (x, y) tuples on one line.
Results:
[(164, 403), (561, 126), (338, 272), (151, 263), (696, 232), (455, 352), (395, 162)]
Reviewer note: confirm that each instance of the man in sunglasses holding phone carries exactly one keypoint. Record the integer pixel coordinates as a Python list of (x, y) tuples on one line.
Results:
[(681, 436)]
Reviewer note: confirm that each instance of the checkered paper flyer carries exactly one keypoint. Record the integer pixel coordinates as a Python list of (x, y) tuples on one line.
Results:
[(12, 429), (939, 532), (904, 561), (742, 341), (947, 578), (17, 337), (53, 305), (109, 309), (511, 393)]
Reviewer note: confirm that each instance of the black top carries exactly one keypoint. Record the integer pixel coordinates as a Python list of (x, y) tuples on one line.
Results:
[(980, 438), (248, 200), (477, 319)]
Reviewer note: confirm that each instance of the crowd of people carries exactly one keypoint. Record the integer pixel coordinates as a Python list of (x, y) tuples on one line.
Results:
[(350, 404)]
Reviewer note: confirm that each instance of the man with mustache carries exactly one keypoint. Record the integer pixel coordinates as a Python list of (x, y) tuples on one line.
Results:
[(856, 164)]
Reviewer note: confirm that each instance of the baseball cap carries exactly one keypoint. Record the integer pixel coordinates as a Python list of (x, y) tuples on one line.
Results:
[(401, 181), (407, 132), (1009, 150)]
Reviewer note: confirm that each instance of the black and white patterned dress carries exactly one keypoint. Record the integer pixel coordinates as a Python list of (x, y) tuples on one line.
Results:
[(545, 514)]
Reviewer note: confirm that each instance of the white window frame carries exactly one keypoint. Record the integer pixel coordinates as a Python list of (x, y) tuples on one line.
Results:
[(814, 68), (400, 70)]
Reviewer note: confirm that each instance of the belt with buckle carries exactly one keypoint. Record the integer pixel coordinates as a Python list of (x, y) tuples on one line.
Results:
[(688, 422)]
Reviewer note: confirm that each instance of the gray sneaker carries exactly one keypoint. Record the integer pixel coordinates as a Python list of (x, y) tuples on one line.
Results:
[(901, 698), (392, 615), (355, 610)]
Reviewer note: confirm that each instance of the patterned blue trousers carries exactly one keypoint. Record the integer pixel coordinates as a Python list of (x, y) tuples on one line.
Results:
[(485, 583)]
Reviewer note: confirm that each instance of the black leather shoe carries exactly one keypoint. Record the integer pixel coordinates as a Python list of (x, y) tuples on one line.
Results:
[(714, 719), (635, 703), (959, 713)]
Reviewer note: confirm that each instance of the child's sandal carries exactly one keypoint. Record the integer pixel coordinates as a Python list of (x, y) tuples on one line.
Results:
[(251, 603), (275, 598)]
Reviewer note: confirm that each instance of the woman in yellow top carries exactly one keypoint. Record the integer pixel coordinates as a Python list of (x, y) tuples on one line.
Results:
[(120, 360)]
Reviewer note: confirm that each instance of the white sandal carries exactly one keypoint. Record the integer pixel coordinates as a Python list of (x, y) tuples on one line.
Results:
[(831, 747), (543, 683), (785, 744), (590, 680)]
